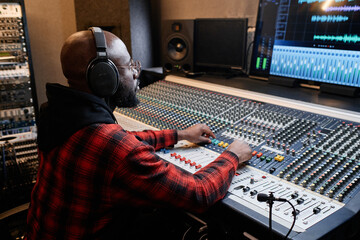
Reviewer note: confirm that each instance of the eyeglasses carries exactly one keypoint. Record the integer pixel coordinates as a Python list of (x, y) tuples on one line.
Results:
[(134, 67)]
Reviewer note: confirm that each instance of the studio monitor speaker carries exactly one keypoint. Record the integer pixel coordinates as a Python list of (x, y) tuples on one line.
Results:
[(177, 46)]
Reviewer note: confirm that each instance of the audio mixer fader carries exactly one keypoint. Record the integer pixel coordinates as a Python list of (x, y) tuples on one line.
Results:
[(306, 153)]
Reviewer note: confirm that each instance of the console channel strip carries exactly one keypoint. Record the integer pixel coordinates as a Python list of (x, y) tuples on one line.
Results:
[(311, 159), (17, 89)]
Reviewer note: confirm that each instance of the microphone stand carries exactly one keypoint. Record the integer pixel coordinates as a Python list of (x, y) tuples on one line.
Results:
[(270, 199), (271, 203)]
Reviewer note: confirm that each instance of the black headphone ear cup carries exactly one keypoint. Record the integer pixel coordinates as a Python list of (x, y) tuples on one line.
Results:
[(103, 77)]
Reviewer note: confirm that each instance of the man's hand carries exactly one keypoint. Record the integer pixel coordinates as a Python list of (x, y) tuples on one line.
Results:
[(198, 133), (241, 149)]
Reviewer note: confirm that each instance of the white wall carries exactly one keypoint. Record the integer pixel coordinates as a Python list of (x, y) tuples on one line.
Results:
[(49, 24)]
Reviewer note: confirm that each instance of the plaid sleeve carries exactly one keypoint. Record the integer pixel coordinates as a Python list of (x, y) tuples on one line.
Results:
[(159, 182), (157, 139)]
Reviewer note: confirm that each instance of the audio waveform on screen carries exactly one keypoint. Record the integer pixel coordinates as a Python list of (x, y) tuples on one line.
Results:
[(354, 8), (345, 38), (320, 1), (330, 18), (324, 65)]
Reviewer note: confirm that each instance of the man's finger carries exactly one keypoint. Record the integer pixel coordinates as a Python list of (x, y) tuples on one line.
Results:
[(208, 132)]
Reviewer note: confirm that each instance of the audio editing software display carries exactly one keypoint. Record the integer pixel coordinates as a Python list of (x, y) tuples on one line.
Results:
[(18, 153), (311, 159), (313, 40)]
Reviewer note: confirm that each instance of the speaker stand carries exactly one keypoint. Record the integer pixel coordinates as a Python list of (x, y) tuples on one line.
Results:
[(283, 81), (194, 74), (339, 90)]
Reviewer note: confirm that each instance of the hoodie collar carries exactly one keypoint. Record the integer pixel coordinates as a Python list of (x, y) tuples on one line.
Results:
[(67, 111)]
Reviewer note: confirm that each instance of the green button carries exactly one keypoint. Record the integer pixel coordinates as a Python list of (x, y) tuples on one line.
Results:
[(262, 158), (268, 159)]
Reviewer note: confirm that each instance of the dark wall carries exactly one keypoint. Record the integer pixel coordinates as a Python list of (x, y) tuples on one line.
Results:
[(111, 15), (128, 19)]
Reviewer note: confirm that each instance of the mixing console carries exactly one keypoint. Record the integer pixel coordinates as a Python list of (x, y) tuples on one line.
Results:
[(309, 158)]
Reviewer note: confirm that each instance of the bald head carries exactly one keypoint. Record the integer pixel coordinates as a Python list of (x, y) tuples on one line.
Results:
[(79, 50)]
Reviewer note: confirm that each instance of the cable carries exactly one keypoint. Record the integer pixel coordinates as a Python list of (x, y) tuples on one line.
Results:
[(294, 214), (4, 165), (183, 238), (247, 55), (261, 197)]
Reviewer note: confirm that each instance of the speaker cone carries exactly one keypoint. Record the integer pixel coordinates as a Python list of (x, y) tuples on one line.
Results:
[(177, 49)]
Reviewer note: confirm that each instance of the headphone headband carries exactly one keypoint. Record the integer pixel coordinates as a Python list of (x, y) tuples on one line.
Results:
[(100, 42)]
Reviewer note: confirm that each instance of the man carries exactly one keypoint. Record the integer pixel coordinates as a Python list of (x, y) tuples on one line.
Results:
[(95, 178)]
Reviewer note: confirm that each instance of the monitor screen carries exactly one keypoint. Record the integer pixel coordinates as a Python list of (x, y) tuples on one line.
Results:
[(220, 43), (311, 40)]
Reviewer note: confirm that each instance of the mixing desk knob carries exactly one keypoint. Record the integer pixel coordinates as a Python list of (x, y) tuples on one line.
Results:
[(246, 189), (253, 193), (316, 210), (293, 152), (294, 195), (296, 212), (272, 170), (300, 200), (341, 197)]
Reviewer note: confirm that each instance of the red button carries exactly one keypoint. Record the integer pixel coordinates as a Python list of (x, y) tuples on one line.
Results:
[(198, 166), (178, 156), (254, 153), (193, 164), (182, 159), (259, 154), (187, 161), (173, 154)]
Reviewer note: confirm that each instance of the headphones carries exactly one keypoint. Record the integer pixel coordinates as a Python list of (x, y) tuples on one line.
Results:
[(102, 75)]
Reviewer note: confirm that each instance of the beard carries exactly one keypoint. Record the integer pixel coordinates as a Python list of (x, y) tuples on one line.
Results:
[(125, 97)]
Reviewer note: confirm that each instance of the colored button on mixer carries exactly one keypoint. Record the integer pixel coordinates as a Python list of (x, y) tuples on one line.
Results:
[(225, 145), (259, 154), (279, 158), (221, 143), (254, 153)]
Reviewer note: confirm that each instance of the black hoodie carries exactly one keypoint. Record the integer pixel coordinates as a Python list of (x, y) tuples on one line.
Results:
[(67, 111)]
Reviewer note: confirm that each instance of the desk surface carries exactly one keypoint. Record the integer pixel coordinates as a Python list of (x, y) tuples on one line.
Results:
[(298, 93)]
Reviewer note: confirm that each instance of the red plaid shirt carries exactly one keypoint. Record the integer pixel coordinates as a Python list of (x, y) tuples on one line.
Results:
[(101, 166)]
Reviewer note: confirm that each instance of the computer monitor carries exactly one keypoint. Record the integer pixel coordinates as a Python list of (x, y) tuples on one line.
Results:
[(316, 41), (220, 44)]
